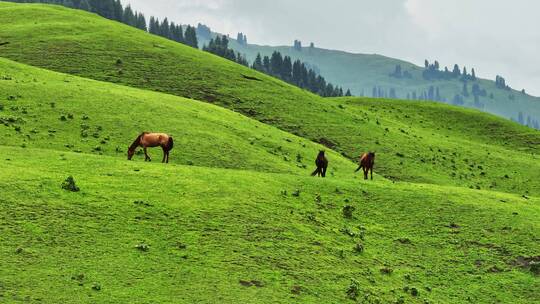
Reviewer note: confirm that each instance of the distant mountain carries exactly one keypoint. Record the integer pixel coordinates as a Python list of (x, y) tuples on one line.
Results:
[(374, 75)]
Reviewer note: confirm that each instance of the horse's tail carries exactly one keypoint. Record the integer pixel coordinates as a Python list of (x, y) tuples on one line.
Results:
[(315, 172), (171, 143)]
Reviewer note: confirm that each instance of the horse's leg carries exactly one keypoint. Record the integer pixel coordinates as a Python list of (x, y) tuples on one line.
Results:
[(146, 156), (371, 170), (168, 156), (366, 173), (164, 155), (324, 172)]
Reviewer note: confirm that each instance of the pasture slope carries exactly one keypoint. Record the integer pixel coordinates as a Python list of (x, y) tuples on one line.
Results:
[(46, 36), (147, 233), (43, 109), (235, 218)]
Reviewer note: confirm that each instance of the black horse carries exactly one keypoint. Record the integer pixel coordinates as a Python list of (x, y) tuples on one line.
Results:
[(322, 164)]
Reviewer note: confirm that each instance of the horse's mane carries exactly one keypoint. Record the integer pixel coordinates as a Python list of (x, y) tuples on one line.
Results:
[(136, 142)]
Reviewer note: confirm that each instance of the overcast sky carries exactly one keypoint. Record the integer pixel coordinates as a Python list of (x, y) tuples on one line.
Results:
[(493, 36)]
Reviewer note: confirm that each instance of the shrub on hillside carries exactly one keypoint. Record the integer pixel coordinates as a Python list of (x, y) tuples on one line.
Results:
[(353, 291), (348, 211), (69, 185), (535, 267)]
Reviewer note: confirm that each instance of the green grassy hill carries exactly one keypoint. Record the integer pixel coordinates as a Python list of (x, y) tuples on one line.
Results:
[(148, 233), (86, 45), (42, 109), (235, 217), (362, 72)]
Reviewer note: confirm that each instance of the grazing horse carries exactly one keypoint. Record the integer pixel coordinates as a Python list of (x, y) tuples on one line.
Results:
[(367, 161), (322, 163), (151, 140)]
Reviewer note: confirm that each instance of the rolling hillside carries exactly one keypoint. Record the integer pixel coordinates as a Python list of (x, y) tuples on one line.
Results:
[(148, 233), (47, 110), (97, 48), (451, 217)]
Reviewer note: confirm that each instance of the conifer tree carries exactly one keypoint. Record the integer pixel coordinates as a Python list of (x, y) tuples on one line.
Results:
[(190, 37), (431, 93), (456, 72), (84, 5), (118, 12), (266, 65), (521, 120), (141, 22), (286, 70), (128, 17), (258, 64), (276, 62), (164, 28), (297, 73), (152, 29), (465, 90)]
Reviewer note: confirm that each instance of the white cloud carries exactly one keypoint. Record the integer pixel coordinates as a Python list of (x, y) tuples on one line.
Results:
[(497, 37)]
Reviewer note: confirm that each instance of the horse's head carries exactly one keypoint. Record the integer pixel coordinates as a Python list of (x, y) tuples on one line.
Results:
[(372, 154), (130, 153), (321, 152)]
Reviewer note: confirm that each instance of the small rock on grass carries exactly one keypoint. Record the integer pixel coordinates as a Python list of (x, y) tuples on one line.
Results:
[(142, 247), (251, 283)]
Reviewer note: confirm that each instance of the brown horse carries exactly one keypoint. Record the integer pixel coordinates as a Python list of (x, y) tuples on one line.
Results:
[(150, 140), (367, 161), (322, 164)]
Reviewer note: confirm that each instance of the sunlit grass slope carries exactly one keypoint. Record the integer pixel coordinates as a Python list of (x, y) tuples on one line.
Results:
[(147, 233), (84, 44), (431, 141), (44, 109)]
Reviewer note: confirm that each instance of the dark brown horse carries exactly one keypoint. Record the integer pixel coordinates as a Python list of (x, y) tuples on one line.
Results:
[(367, 161), (150, 140), (322, 164)]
